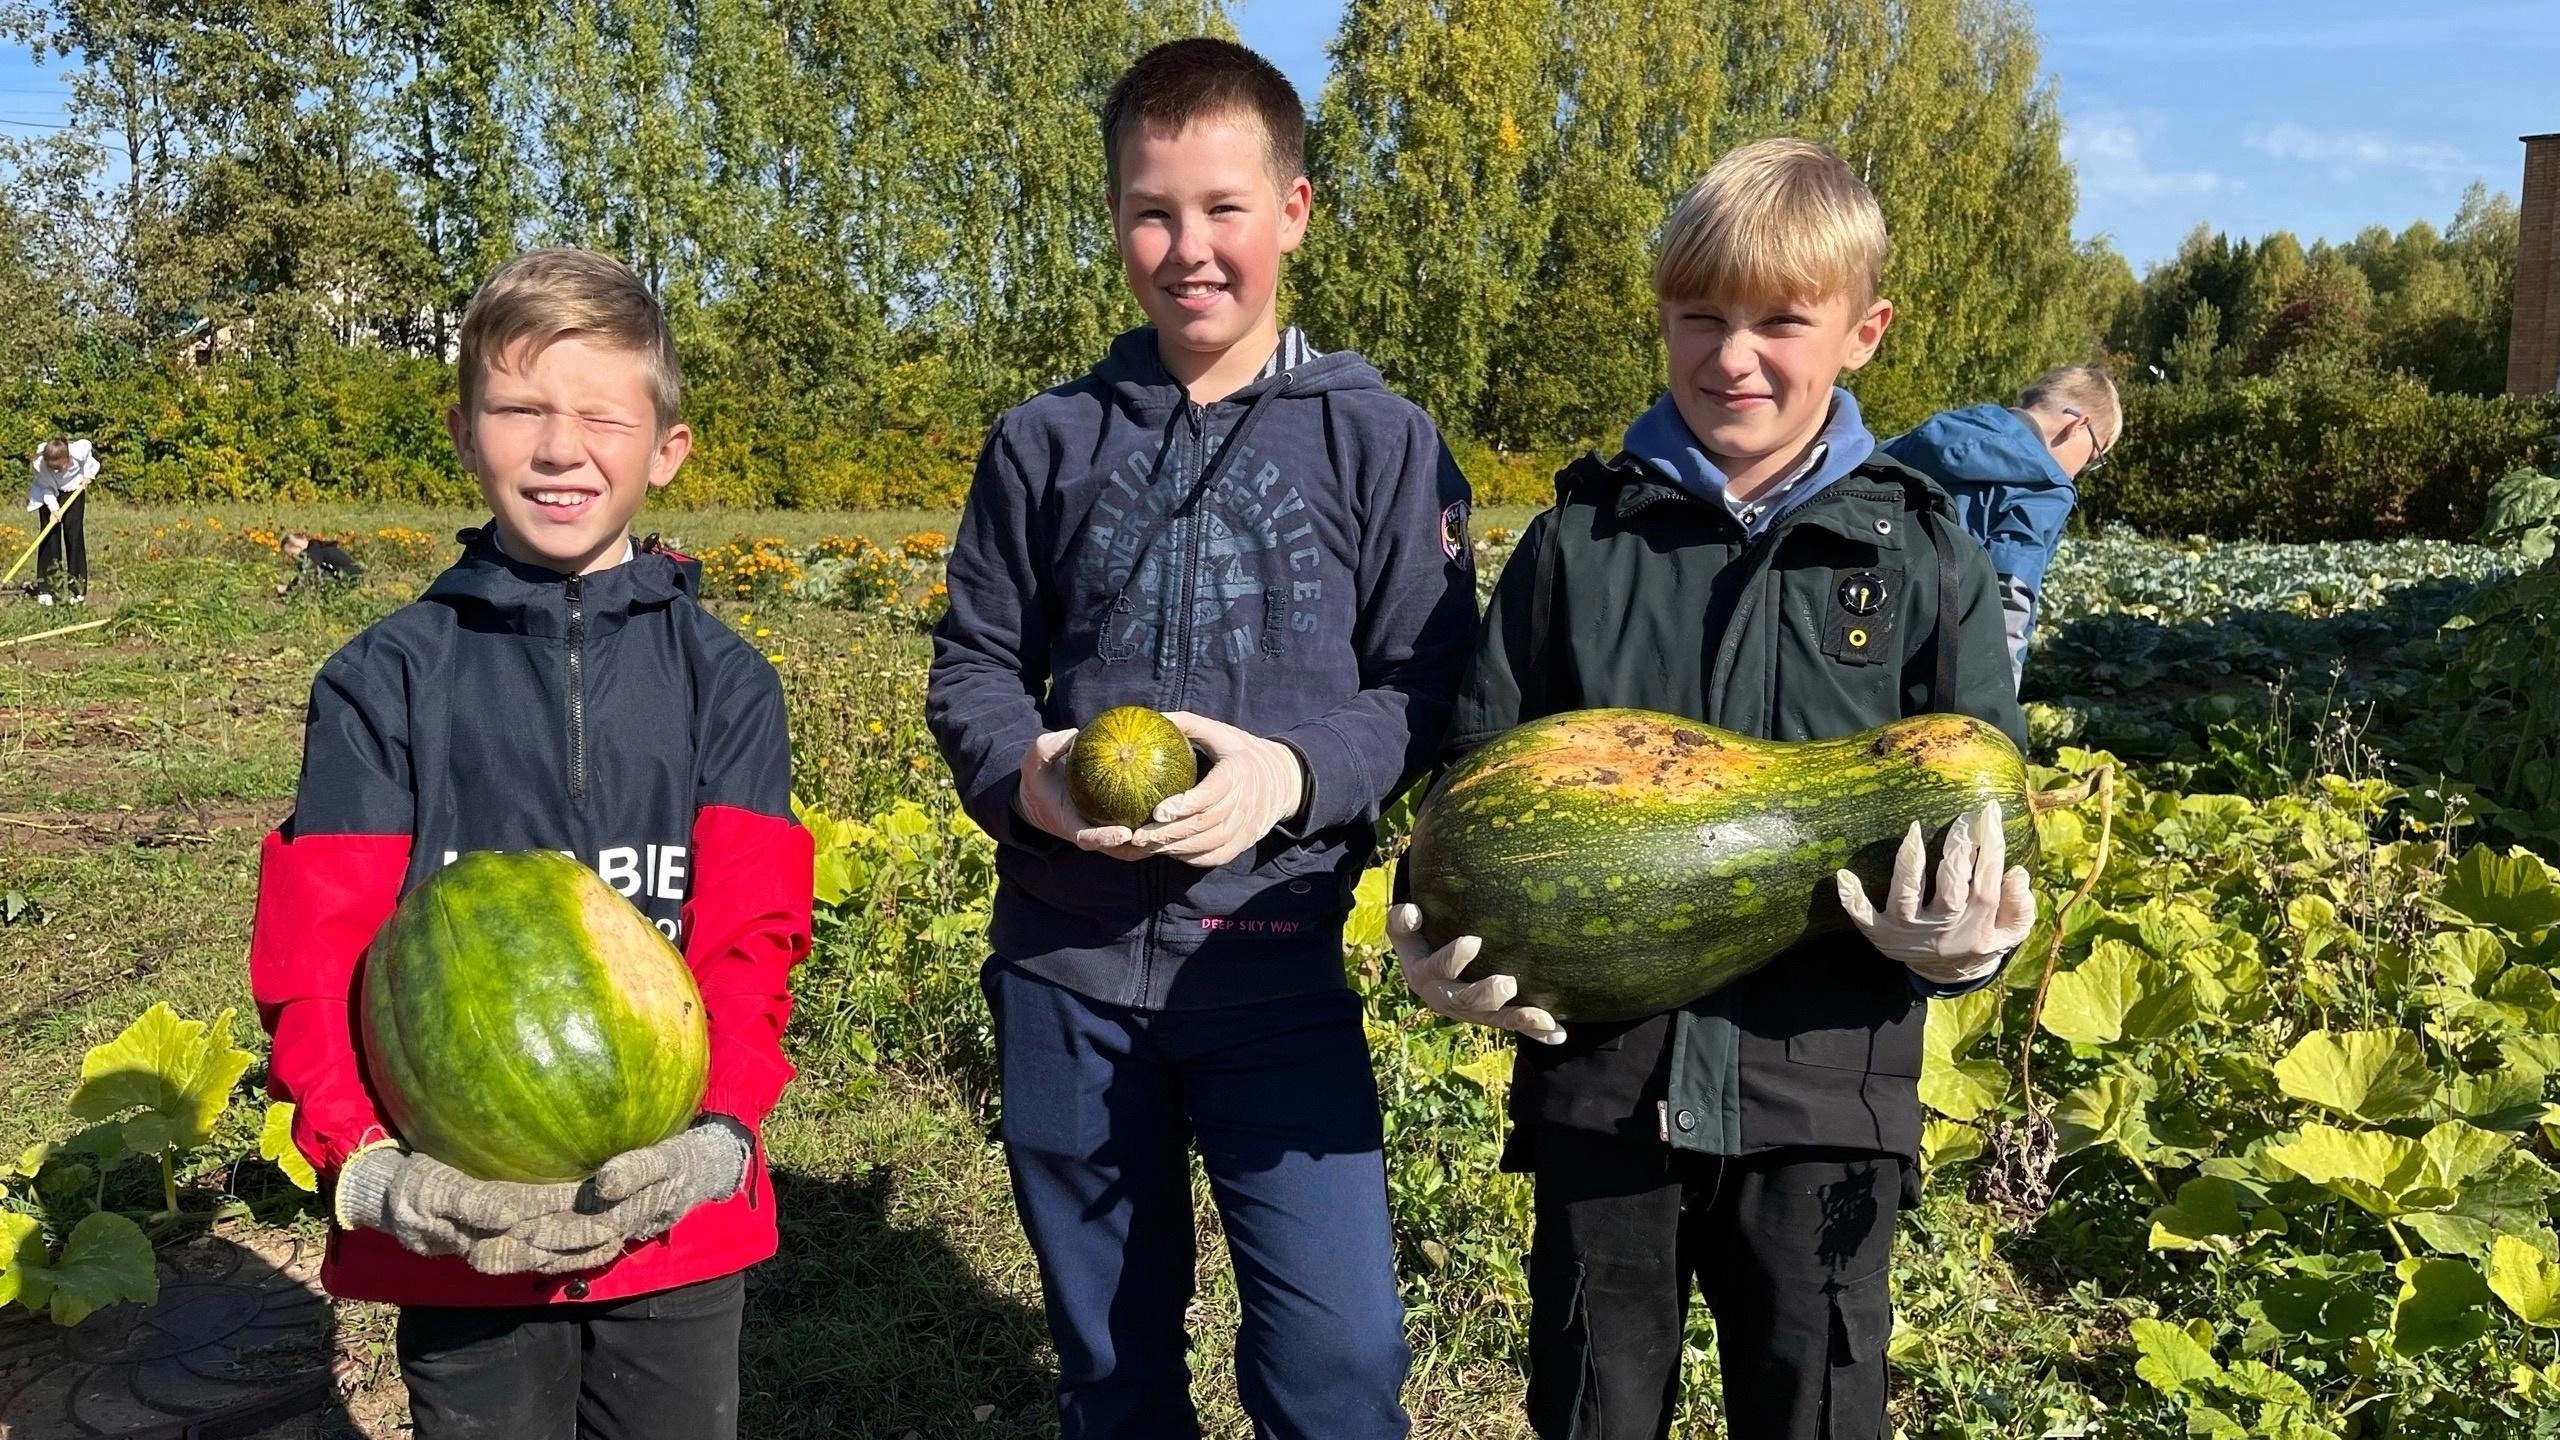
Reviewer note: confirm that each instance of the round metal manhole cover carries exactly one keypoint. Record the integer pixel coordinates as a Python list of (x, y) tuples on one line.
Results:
[(238, 1340)]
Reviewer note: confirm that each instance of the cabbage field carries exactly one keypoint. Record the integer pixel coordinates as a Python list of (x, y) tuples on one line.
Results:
[(2270, 1152)]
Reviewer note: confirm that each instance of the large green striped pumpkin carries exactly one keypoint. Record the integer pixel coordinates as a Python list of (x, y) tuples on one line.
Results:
[(1622, 862), (521, 1021)]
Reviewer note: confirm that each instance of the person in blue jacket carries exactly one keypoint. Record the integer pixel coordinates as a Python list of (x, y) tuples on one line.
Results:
[(2014, 473), (1223, 523)]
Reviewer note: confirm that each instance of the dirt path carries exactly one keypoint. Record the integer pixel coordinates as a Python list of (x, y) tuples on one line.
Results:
[(71, 832)]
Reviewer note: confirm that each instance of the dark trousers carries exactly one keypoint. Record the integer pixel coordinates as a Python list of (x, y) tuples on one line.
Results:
[(1101, 1108), (64, 554), (1789, 1249), (653, 1367)]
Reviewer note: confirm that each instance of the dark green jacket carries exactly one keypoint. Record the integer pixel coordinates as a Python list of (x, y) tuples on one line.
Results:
[(1655, 599)]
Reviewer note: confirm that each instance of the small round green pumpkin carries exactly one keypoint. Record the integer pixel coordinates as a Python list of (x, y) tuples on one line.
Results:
[(1126, 763)]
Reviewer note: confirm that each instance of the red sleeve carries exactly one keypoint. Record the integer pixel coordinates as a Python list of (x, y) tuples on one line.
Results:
[(746, 924), (320, 900)]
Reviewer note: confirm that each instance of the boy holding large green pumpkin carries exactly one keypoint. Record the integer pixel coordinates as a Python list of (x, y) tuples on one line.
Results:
[(1749, 560), (559, 688), (1220, 522)]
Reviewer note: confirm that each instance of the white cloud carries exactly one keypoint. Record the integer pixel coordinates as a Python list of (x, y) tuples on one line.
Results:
[(2108, 152), (2348, 151)]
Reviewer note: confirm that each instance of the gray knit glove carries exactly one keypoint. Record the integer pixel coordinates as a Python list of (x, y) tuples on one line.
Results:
[(644, 1192), (554, 1243), (434, 1209)]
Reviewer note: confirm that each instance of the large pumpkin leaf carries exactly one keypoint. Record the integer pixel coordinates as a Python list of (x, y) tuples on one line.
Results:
[(1954, 1025), (2118, 994), (2111, 1110), (275, 1142), (2442, 1303), (2175, 1358), (2319, 1302), (2209, 1214), (1944, 1142), (2391, 1175), (2370, 1075), (178, 1073), (2089, 1003), (21, 1250), (2509, 1098), (1956, 1088), (1967, 1089), (2514, 892), (2464, 958), (2509, 1197), (105, 1259), (2521, 1275), (1368, 923)]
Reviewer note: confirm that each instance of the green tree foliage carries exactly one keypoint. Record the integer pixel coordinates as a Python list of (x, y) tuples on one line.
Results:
[(1428, 230), (1495, 174), (2434, 304)]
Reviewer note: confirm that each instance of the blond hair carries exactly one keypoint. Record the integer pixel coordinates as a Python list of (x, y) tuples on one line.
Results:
[(543, 296), (56, 453), (1779, 218), (2084, 388)]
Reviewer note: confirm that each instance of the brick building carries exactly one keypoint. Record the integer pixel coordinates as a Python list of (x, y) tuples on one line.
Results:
[(2533, 343)]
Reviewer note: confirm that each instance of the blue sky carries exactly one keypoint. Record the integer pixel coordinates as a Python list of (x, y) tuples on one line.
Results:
[(2319, 116)]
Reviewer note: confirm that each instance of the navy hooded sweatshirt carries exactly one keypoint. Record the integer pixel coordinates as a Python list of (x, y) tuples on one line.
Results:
[(1310, 582)]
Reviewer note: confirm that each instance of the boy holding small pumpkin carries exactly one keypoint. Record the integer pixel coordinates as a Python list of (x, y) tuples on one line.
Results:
[(1222, 523), (1748, 560)]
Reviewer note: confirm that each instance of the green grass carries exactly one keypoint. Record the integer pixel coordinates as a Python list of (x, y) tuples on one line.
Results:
[(144, 758)]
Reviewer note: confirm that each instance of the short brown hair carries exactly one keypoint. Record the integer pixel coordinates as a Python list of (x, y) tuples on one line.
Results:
[(56, 453), (2084, 388), (1184, 81), (1779, 218), (542, 296)]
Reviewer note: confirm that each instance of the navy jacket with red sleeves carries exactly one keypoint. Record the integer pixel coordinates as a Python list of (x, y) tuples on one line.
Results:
[(514, 708)]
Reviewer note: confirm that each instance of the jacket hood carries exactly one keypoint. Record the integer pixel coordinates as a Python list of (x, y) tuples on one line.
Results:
[(1661, 439), (532, 599), (1133, 371), (1981, 444)]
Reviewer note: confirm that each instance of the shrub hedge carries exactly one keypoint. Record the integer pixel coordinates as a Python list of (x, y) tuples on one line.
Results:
[(2315, 452), (2311, 453)]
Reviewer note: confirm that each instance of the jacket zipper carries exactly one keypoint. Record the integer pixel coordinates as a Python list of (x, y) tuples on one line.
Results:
[(1187, 575), (577, 692), (1150, 871), (1759, 557)]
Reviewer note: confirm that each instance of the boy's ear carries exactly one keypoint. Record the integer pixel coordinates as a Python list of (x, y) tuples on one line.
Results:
[(673, 446), (458, 425), (1868, 333), (1297, 205)]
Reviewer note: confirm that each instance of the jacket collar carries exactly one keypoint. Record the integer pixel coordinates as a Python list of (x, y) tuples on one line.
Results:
[(1880, 488), (533, 599)]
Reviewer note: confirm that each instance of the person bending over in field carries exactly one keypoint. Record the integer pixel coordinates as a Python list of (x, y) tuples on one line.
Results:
[(317, 562), (2014, 473)]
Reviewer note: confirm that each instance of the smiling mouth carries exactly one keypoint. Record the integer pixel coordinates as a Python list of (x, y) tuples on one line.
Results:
[(555, 504), (1196, 294)]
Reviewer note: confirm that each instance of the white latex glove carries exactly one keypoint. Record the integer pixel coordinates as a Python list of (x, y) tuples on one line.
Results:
[(1983, 907), (1043, 800), (1253, 784), (1432, 975)]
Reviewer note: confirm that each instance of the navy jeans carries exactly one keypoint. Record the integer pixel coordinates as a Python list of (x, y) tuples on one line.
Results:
[(1102, 1105)]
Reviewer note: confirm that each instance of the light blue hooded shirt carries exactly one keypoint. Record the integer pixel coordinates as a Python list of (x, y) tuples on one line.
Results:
[(1661, 439)]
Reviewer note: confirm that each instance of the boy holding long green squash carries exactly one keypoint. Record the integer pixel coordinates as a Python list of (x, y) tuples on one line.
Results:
[(1748, 560)]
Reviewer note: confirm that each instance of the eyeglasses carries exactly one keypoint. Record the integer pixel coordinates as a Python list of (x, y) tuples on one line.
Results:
[(2097, 448)]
